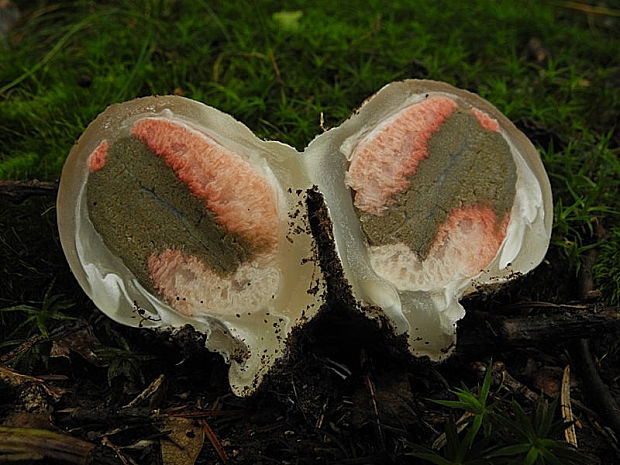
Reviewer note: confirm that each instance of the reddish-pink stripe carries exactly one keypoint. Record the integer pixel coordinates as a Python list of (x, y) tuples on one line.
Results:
[(96, 160), (381, 167), (242, 200), (485, 120)]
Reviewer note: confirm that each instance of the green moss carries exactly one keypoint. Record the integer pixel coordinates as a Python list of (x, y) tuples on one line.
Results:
[(607, 267), (64, 63)]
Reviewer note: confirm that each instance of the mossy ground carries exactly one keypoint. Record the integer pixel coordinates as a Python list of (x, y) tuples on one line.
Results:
[(286, 69), (552, 69)]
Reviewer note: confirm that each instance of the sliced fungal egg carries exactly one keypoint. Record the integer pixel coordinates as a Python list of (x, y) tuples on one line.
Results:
[(171, 212), (432, 193)]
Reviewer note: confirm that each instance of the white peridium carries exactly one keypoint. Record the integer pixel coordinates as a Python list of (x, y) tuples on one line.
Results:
[(420, 297), (247, 317)]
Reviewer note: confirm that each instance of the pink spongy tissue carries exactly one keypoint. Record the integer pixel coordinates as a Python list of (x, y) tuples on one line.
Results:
[(242, 201), (204, 292), (485, 120), (464, 246), (387, 157), (96, 160)]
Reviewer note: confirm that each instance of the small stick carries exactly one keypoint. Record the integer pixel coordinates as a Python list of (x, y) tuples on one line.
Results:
[(514, 384), (16, 191), (21, 382), (274, 63), (539, 304), (596, 389), (117, 450), (442, 440), (151, 395), (321, 418), (588, 9), (217, 445), (10, 357), (373, 399), (19, 444), (567, 411)]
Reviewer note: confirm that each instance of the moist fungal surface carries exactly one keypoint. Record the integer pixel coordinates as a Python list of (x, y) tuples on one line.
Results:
[(435, 182), (171, 212), (193, 221)]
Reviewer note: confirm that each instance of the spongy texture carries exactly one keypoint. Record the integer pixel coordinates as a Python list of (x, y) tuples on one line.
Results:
[(193, 289), (485, 120), (385, 159), (241, 199), (96, 160), (464, 246), (139, 207), (467, 165)]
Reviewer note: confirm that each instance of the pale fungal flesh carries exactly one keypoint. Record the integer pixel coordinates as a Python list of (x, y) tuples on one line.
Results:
[(171, 213), (432, 193)]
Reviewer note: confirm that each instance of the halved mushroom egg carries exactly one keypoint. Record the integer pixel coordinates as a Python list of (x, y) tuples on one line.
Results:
[(432, 193), (171, 212)]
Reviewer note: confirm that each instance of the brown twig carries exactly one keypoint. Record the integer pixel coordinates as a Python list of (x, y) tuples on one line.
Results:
[(21, 382), (151, 396), (274, 64), (373, 400), (20, 444), (539, 304), (596, 389), (117, 450), (24, 347), (513, 384), (217, 445), (587, 9), (482, 331), (17, 191)]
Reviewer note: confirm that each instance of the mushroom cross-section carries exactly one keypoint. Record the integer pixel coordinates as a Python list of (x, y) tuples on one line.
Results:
[(432, 193), (172, 213)]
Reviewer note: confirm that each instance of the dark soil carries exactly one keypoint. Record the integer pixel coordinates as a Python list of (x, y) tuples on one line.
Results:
[(347, 394)]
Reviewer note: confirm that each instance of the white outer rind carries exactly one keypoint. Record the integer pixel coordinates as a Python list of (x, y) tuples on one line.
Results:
[(249, 342), (428, 316)]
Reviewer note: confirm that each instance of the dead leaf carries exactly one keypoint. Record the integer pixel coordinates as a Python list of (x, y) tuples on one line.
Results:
[(81, 341), (183, 443), (152, 395), (567, 411)]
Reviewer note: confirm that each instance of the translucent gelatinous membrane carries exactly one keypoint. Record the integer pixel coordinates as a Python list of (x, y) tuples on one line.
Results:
[(171, 213), (432, 192)]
